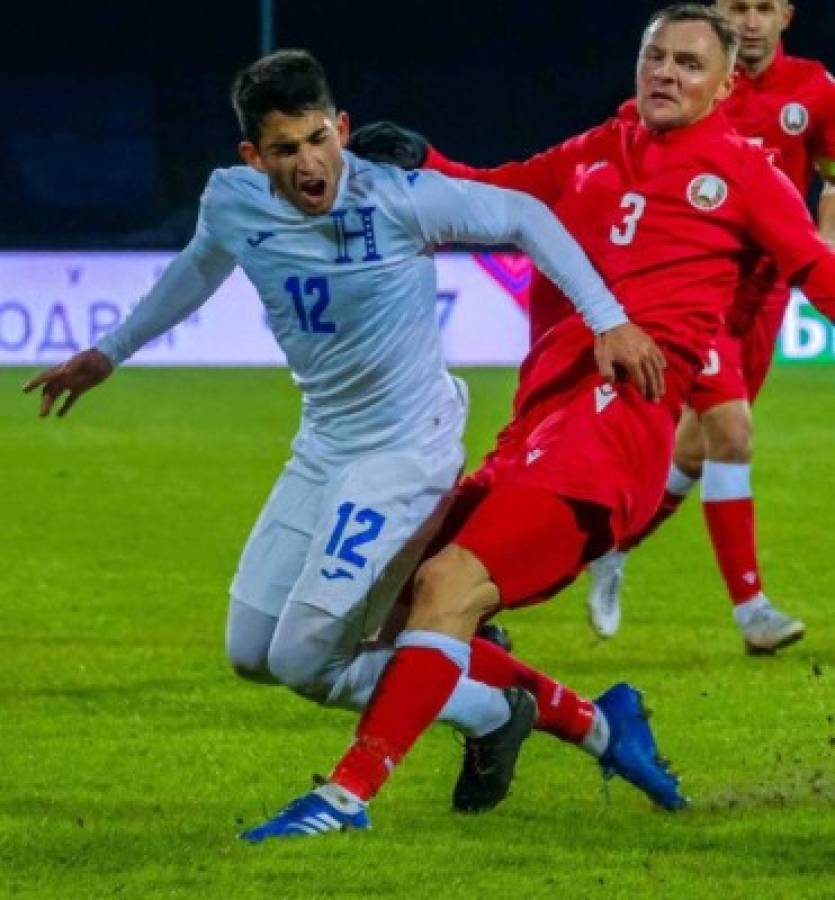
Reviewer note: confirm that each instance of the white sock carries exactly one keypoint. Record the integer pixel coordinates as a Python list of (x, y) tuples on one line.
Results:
[(596, 741), (725, 481), (611, 559), (344, 800), (356, 682), (474, 708), (678, 482)]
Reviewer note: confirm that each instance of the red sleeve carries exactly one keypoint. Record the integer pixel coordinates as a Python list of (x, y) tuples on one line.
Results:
[(778, 220), (751, 292), (818, 284), (542, 175), (824, 138)]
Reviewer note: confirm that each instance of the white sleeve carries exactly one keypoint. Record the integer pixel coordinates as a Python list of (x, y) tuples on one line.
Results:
[(448, 210), (191, 278)]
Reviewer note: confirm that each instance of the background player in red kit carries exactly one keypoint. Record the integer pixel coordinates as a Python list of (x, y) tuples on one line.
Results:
[(666, 205), (788, 104)]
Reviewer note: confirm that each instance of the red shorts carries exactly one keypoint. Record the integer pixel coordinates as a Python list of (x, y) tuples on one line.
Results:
[(737, 367), (722, 378), (605, 450)]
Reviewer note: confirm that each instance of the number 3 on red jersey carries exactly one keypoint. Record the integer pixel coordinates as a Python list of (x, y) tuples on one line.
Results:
[(634, 204)]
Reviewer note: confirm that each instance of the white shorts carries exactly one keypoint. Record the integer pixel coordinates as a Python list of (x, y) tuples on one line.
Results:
[(344, 538)]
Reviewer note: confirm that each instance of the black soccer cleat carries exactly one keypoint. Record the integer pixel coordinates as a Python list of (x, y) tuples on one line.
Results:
[(495, 634), (490, 761)]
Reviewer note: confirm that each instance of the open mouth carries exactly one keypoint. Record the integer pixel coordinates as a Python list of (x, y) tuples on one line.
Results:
[(313, 190), (661, 97)]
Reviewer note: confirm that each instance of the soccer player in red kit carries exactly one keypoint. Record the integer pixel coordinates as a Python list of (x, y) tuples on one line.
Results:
[(787, 104), (667, 206), (779, 102)]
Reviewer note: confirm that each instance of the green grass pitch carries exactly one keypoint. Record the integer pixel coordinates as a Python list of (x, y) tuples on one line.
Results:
[(130, 756)]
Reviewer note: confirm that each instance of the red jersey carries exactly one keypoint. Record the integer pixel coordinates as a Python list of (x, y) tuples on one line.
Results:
[(790, 107), (671, 220)]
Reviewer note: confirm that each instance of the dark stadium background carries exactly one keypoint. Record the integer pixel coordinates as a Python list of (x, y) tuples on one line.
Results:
[(115, 112)]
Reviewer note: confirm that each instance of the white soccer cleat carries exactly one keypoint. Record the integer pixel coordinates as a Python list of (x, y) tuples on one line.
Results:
[(764, 628), (603, 601)]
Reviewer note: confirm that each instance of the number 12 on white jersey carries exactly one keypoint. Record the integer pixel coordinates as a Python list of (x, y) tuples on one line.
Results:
[(624, 234)]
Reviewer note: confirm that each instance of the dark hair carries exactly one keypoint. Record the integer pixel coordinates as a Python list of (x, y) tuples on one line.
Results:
[(696, 12), (289, 81)]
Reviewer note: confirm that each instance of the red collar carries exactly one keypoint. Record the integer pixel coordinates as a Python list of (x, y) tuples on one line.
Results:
[(713, 124)]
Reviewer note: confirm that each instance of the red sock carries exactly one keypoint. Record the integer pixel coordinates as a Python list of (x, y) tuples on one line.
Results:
[(411, 692), (560, 711), (732, 531), (669, 504)]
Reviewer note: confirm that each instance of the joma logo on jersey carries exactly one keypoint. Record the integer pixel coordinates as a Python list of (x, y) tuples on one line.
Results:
[(259, 238), (707, 192), (794, 118), (361, 227)]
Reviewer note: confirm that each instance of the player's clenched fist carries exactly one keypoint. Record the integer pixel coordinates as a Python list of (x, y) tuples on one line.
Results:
[(635, 351), (77, 375)]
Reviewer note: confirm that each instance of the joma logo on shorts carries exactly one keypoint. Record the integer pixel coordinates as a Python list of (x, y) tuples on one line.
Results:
[(337, 573)]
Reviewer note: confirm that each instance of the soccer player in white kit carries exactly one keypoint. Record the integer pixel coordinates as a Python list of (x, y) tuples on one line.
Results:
[(339, 251)]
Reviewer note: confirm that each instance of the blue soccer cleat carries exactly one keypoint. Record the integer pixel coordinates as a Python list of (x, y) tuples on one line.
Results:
[(632, 752), (309, 815)]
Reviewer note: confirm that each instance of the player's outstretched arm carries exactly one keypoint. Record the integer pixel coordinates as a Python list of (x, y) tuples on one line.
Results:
[(188, 282), (193, 276), (72, 378), (387, 142), (784, 229), (448, 210)]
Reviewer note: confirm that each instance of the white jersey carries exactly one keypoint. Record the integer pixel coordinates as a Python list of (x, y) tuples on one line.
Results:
[(350, 295)]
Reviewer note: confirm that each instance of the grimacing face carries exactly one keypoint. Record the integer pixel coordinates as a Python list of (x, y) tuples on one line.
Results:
[(759, 24), (683, 73), (302, 156)]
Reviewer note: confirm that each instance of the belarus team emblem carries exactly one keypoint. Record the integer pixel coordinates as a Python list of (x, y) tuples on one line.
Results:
[(707, 192), (794, 118)]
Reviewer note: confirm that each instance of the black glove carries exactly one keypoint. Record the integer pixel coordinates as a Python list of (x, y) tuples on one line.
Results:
[(389, 143)]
